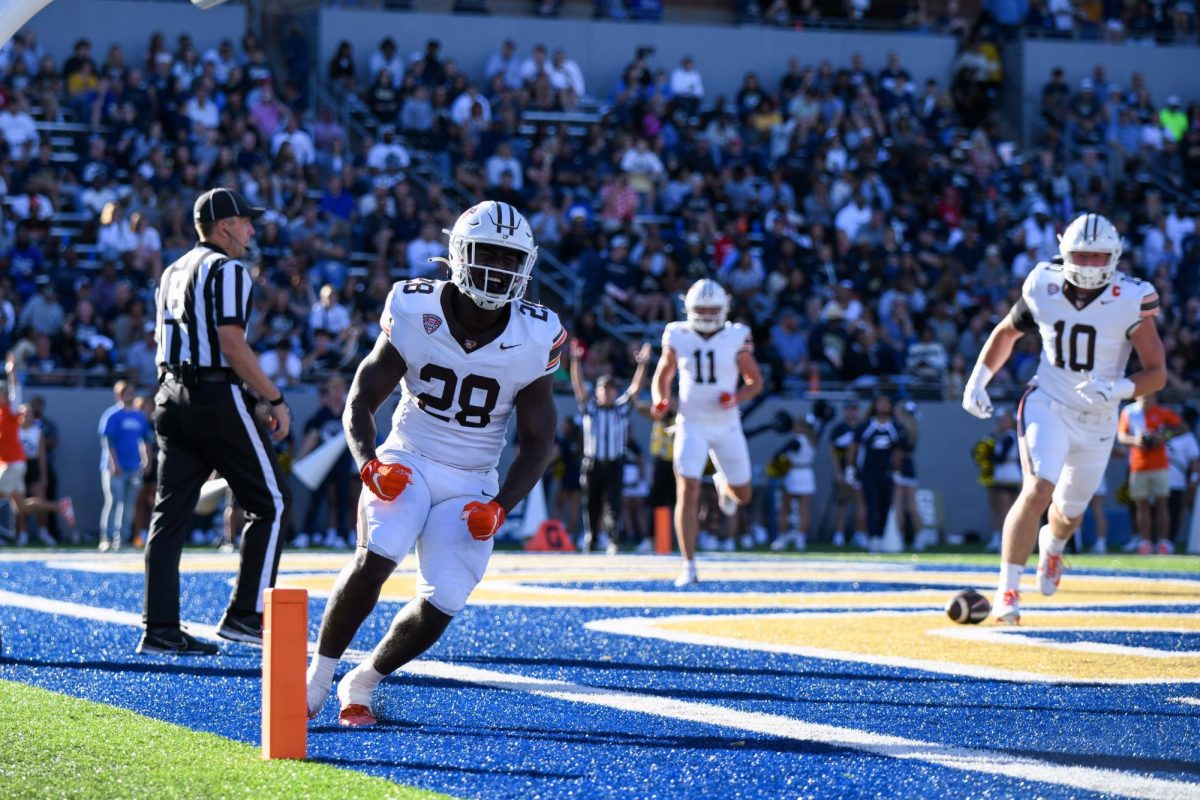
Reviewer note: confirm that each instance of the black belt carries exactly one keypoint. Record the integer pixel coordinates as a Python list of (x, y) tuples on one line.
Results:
[(190, 377)]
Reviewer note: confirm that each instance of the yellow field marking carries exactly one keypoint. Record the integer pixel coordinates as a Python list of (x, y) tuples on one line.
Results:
[(927, 640)]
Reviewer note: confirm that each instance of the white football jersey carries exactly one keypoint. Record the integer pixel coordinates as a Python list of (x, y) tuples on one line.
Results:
[(455, 405), (707, 368), (1093, 339)]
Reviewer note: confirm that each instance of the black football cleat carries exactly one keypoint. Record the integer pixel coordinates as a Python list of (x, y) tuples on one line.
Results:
[(172, 641), (239, 626)]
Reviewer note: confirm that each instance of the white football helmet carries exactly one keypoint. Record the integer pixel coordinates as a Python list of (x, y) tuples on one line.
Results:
[(707, 305), (1090, 233), (497, 225)]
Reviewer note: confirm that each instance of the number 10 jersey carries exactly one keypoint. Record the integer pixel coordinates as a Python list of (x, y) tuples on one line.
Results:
[(1093, 339), (455, 403)]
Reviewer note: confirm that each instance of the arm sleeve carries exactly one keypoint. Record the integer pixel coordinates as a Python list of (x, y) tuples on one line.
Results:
[(231, 289), (1022, 316), (556, 350), (1150, 303)]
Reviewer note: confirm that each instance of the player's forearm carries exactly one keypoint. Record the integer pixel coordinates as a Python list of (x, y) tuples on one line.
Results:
[(243, 362), (749, 390), (660, 391), (1150, 379), (999, 347), (359, 422), (524, 472)]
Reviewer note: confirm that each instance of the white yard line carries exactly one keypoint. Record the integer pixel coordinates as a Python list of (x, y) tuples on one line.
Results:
[(1187, 701), (650, 628), (775, 725)]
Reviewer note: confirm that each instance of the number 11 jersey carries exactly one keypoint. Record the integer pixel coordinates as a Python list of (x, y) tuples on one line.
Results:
[(455, 403), (1093, 339), (708, 367)]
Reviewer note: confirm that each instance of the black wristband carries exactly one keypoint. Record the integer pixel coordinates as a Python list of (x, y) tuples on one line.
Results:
[(278, 401)]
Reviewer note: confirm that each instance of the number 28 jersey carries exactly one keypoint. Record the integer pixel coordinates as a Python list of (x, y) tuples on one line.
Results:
[(1093, 339), (455, 404), (708, 367)]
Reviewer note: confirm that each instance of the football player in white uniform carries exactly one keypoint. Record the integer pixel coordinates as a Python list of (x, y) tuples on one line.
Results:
[(466, 353), (710, 355), (1088, 316)]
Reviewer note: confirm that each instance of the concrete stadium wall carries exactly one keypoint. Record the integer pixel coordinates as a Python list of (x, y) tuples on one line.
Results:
[(943, 456), (130, 23), (1168, 70), (723, 54)]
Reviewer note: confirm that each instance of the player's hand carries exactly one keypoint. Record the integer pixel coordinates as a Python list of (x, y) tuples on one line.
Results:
[(659, 409), (1098, 390), (976, 401), (483, 519), (578, 349), (385, 481), (728, 400), (281, 421)]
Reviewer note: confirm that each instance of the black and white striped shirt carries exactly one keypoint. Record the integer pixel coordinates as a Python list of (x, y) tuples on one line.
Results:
[(200, 292), (605, 429)]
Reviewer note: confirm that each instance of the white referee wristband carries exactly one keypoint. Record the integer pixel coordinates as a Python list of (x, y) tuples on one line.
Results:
[(980, 376)]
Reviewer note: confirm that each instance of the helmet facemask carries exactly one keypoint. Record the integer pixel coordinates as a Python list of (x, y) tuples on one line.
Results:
[(492, 275), (1095, 271), (707, 319)]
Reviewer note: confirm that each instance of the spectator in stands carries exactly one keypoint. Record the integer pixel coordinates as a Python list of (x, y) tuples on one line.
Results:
[(18, 129), (505, 65), (281, 364), (141, 359), (341, 68), (387, 58)]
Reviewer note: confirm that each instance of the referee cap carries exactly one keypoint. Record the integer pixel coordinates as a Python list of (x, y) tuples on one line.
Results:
[(218, 204)]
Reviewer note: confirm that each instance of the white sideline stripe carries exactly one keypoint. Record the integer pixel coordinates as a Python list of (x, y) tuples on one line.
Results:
[(1187, 701), (268, 471), (1011, 636), (648, 627), (774, 725)]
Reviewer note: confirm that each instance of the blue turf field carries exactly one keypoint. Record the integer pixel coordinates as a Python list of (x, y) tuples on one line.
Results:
[(587, 677)]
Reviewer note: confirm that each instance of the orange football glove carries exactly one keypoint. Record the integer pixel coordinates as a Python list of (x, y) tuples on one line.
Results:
[(728, 400), (660, 409), (385, 481), (483, 519)]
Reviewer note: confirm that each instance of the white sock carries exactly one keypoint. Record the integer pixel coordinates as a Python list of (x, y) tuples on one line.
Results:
[(319, 679), (1010, 576), (1049, 542), (358, 685)]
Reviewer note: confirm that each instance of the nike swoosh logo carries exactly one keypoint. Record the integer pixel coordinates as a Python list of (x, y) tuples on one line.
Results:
[(509, 346)]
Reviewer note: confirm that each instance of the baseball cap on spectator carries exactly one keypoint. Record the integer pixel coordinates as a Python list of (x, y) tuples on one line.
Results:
[(1173, 101), (217, 204), (992, 250), (1086, 85)]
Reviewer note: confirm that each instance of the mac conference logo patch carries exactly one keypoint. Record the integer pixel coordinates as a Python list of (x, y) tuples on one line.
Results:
[(432, 322)]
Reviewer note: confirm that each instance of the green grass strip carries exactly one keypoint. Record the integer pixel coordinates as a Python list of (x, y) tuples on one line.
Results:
[(56, 746)]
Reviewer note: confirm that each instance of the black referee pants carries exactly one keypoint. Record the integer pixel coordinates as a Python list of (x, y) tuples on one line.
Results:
[(603, 482), (202, 428)]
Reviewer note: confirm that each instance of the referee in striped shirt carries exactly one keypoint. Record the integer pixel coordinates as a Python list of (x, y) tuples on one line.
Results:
[(605, 431), (207, 417)]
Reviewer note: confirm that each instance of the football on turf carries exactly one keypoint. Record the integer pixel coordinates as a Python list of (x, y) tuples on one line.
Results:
[(968, 607)]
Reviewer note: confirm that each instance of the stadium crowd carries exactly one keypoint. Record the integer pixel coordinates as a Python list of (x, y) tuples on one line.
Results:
[(871, 227), (868, 224)]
